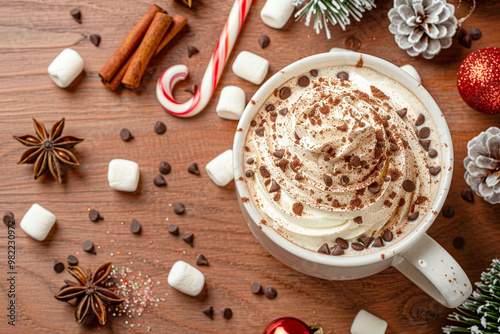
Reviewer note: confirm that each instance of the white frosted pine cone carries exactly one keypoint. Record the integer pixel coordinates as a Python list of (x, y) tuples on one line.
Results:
[(423, 26), (482, 165)]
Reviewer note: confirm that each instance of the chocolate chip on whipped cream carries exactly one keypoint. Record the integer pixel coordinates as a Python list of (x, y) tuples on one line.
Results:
[(337, 250), (324, 249), (420, 120)]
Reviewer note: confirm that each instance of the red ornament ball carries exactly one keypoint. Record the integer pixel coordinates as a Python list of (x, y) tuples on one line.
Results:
[(479, 80), (287, 326)]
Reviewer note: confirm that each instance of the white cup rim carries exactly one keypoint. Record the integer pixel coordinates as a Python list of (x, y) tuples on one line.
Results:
[(390, 70)]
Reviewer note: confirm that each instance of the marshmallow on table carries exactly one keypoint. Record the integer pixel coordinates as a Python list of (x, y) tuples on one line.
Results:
[(411, 71), (65, 67), (186, 278), (123, 175), (231, 103), (367, 323), (276, 13), (250, 67), (38, 222), (220, 169)]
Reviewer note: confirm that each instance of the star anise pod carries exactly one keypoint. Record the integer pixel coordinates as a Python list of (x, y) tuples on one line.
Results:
[(49, 150), (93, 296)]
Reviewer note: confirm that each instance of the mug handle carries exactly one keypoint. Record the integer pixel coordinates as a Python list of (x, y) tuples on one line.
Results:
[(435, 271)]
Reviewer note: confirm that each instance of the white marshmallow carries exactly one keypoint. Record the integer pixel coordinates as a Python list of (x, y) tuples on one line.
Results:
[(65, 67), (38, 222), (367, 323), (186, 278), (220, 169), (276, 13), (231, 103), (123, 175), (250, 67), (412, 71)]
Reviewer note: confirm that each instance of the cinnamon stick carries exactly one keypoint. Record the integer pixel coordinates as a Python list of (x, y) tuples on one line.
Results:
[(128, 45), (145, 51)]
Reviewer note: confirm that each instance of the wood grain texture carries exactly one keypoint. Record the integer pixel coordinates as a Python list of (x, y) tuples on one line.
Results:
[(34, 32)]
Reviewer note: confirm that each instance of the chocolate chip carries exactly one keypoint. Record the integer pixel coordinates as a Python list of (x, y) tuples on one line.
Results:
[(434, 170), (433, 153), (328, 180), (249, 173), (343, 75), (420, 120), (467, 195), (192, 89), (201, 260), (314, 73), (72, 260), (264, 41), (378, 242), (279, 153), (461, 32), (344, 180), (271, 292), (297, 208), (179, 208), (448, 211), (125, 135), (387, 236), (95, 39), (253, 123), (88, 246), (270, 107), (374, 188), (274, 187), (402, 112), (160, 127), (285, 93), (304, 81), (226, 313), (366, 241), (357, 246), (264, 172), (352, 43), (342, 243), (424, 132), (459, 242), (159, 181), (94, 215), (58, 267), (192, 50), (337, 250), (250, 161), (8, 218), (426, 144), (283, 111), (135, 226), (164, 168), (173, 229), (355, 161), (193, 169), (189, 238), (387, 179), (475, 34), (358, 220), (465, 41), (77, 14), (209, 312), (260, 131), (409, 186), (413, 216), (256, 288), (324, 249)]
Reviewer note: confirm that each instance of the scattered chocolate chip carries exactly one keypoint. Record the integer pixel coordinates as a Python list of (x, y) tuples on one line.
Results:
[(249, 173), (378, 242), (285, 93), (409, 186), (387, 179), (192, 89), (420, 120), (343, 75), (264, 41), (135, 226), (357, 246), (270, 107), (72, 260), (424, 132), (8, 218), (314, 73), (164, 168), (413, 216), (271, 292), (448, 211), (160, 127), (260, 131), (459, 242), (426, 144), (304, 81), (461, 32), (342, 243), (358, 220), (279, 153), (337, 250), (173, 229), (366, 241), (402, 112), (226, 313), (324, 249), (274, 187), (475, 34), (88, 246), (467, 195), (58, 267), (77, 14), (283, 111), (125, 135), (352, 43), (179, 208), (387, 236), (193, 169), (189, 238), (344, 180), (256, 288), (374, 188), (192, 50), (253, 123), (209, 312), (433, 153), (94, 215), (355, 161), (435, 170), (465, 41), (95, 39), (250, 161), (264, 172), (159, 181), (201, 260), (328, 180)]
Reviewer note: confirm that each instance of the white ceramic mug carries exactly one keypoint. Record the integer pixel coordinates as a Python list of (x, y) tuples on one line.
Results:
[(417, 256)]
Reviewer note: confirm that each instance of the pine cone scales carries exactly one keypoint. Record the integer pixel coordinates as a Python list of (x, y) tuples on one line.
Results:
[(423, 26), (483, 165)]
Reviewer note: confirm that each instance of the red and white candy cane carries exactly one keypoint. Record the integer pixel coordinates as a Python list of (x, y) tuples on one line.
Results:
[(175, 73)]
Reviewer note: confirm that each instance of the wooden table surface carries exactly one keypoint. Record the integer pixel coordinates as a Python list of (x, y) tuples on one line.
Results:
[(34, 32)]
